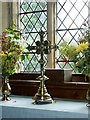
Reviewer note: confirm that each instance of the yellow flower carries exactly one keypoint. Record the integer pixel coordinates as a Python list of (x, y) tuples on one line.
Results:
[(82, 46), (2, 53)]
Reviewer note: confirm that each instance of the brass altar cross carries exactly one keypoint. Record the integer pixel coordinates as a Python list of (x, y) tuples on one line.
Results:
[(42, 47)]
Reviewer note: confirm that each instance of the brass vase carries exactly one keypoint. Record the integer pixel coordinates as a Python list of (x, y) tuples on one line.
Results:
[(88, 94), (6, 89)]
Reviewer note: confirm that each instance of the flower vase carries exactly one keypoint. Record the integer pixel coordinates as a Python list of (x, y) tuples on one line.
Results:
[(88, 94), (6, 89)]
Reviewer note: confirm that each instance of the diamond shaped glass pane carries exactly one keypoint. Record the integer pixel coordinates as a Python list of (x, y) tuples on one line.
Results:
[(33, 18), (71, 14), (33, 5)]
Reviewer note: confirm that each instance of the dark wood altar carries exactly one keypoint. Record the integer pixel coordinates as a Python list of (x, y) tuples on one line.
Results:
[(61, 84)]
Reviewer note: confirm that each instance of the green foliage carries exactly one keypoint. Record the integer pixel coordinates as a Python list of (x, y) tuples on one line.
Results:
[(79, 54), (68, 50), (11, 50)]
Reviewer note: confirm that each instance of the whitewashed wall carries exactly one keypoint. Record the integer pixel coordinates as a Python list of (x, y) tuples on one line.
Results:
[(3, 16)]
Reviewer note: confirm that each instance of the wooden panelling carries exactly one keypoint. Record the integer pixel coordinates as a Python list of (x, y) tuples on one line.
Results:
[(26, 84)]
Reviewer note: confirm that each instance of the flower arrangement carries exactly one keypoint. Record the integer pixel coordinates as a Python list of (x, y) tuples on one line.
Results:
[(79, 54), (10, 50)]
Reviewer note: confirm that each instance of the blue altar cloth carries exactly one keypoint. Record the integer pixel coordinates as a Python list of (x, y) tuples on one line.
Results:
[(22, 107)]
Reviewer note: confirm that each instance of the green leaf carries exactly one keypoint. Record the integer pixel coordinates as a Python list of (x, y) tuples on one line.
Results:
[(22, 57)]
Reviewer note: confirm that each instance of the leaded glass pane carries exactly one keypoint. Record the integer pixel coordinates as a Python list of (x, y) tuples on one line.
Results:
[(33, 18), (71, 14)]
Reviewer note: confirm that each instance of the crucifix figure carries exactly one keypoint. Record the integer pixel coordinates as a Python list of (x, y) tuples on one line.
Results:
[(42, 47)]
